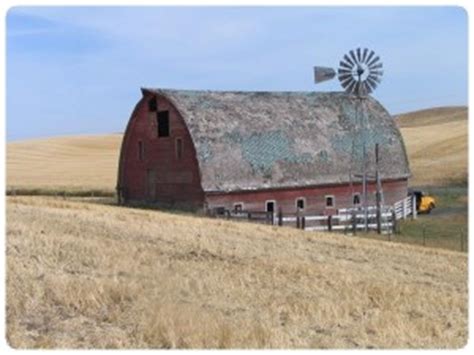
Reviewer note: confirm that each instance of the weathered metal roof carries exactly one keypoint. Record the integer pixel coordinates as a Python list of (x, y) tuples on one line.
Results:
[(255, 140)]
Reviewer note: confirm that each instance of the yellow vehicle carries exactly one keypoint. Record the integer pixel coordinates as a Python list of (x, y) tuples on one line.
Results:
[(424, 203)]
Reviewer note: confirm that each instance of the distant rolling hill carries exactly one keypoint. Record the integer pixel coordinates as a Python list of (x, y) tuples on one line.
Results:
[(436, 142), (432, 116), (64, 163)]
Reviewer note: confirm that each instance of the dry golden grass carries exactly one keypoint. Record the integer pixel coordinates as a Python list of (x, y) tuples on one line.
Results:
[(75, 162), (432, 116), (84, 275), (436, 143)]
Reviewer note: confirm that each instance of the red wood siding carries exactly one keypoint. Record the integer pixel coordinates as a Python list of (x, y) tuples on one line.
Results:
[(160, 176), (314, 196)]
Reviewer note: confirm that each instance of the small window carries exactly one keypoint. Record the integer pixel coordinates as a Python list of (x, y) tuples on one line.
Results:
[(300, 203), (163, 123), (356, 199), (270, 206), (238, 207), (219, 211), (152, 106), (329, 201), (141, 150), (179, 148)]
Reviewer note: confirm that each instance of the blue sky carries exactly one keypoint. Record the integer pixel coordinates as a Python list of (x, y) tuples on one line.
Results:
[(78, 70)]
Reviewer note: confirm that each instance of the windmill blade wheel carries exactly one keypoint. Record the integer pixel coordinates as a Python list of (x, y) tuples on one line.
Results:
[(360, 71)]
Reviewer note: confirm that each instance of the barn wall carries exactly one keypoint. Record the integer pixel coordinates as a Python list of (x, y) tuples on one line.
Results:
[(315, 197), (160, 177)]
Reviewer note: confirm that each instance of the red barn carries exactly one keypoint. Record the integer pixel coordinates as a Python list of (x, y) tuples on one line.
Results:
[(257, 151)]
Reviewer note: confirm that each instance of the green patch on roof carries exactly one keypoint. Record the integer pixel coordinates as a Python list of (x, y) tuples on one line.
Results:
[(262, 150)]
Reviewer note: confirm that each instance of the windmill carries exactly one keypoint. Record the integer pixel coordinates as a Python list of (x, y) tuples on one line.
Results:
[(359, 73)]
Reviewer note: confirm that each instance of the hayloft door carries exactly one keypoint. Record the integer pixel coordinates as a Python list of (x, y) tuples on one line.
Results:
[(151, 184)]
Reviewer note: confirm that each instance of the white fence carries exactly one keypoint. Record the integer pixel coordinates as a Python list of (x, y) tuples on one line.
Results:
[(352, 220), (405, 208), (346, 219)]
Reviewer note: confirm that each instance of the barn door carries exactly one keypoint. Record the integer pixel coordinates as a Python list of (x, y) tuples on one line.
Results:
[(151, 184)]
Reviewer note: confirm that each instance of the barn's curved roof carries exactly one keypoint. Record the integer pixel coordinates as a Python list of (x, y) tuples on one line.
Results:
[(255, 140)]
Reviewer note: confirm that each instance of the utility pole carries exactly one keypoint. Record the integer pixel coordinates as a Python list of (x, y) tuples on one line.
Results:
[(378, 193), (364, 187)]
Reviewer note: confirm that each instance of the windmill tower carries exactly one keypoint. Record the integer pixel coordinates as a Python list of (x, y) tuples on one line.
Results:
[(359, 73)]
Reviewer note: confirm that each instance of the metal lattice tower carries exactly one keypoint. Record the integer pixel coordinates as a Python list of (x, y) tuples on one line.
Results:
[(359, 72)]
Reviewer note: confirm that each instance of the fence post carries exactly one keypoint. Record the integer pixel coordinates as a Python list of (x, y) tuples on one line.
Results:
[(404, 204), (329, 223), (249, 216), (378, 217), (280, 217), (413, 207), (394, 222), (297, 218), (354, 222), (303, 223)]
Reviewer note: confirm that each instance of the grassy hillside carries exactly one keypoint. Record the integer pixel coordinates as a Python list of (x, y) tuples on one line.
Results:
[(64, 163), (432, 116), (436, 143), (87, 275)]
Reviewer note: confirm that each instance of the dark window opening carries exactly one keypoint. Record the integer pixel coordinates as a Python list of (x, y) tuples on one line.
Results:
[(141, 150), (270, 206), (300, 203), (356, 199), (329, 201), (219, 211), (179, 148), (152, 105), (163, 123), (238, 207)]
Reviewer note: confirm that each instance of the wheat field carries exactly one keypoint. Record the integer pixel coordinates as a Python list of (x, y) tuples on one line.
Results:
[(85, 275), (436, 142), (64, 163)]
